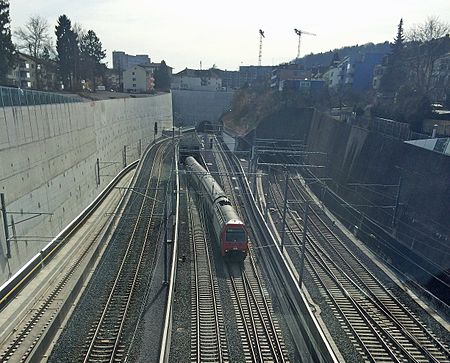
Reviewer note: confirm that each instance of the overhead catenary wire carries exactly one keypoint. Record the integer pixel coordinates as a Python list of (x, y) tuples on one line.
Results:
[(333, 193), (386, 244), (357, 215), (399, 222), (405, 225)]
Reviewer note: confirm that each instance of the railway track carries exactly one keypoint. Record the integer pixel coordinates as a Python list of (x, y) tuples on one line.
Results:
[(381, 327), (104, 341), (208, 337), (254, 318), (21, 344), (260, 333)]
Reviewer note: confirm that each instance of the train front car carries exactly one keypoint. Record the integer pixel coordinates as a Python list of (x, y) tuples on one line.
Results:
[(228, 228), (233, 234)]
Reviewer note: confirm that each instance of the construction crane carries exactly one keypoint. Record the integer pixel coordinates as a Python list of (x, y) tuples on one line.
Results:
[(299, 33), (261, 36)]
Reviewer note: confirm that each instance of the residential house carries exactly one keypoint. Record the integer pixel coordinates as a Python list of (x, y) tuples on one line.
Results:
[(141, 78), (288, 71), (230, 79), (30, 72), (310, 86), (138, 79), (354, 72), (197, 80), (254, 74)]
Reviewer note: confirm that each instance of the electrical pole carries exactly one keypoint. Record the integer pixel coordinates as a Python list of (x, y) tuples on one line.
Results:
[(397, 201), (97, 165), (5, 224), (253, 162), (302, 257), (124, 156), (165, 243), (284, 210)]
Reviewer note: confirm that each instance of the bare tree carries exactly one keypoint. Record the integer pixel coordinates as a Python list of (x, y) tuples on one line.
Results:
[(429, 42), (433, 28), (34, 37)]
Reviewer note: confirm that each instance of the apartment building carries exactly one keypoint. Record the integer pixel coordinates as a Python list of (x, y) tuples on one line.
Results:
[(197, 80), (139, 79), (123, 61), (30, 72), (354, 72)]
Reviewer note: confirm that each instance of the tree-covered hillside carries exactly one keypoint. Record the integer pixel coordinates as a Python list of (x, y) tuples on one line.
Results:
[(325, 59)]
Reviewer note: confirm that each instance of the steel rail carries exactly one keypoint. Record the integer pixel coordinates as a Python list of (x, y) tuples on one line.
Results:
[(252, 339), (166, 336), (279, 268), (353, 325), (268, 326), (11, 287), (268, 310), (369, 295), (200, 249), (358, 270), (119, 275)]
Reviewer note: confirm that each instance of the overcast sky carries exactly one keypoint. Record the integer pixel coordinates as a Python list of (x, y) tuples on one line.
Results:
[(225, 33)]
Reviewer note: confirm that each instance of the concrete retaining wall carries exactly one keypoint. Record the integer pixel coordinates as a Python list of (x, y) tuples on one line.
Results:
[(48, 157), (356, 155), (192, 107)]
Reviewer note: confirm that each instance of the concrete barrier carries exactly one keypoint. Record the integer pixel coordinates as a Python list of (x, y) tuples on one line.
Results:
[(191, 107), (56, 158)]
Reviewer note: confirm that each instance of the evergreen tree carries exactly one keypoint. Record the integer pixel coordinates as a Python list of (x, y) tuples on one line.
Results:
[(68, 52), (395, 73), (91, 46), (162, 77), (6, 45), (398, 44), (91, 55)]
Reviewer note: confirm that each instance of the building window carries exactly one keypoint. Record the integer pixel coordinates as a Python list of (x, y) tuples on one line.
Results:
[(134, 79), (134, 85), (133, 73)]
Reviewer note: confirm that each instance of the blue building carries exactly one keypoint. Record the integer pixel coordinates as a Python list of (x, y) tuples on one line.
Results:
[(355, 72)]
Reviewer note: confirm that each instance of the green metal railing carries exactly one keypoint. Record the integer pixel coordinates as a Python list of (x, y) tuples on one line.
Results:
[(10, 96)]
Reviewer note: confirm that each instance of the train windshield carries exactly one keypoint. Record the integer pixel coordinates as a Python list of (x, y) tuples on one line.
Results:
[(235, 235)]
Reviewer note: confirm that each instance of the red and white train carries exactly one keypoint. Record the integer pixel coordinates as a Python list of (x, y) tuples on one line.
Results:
[(230, 231)]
